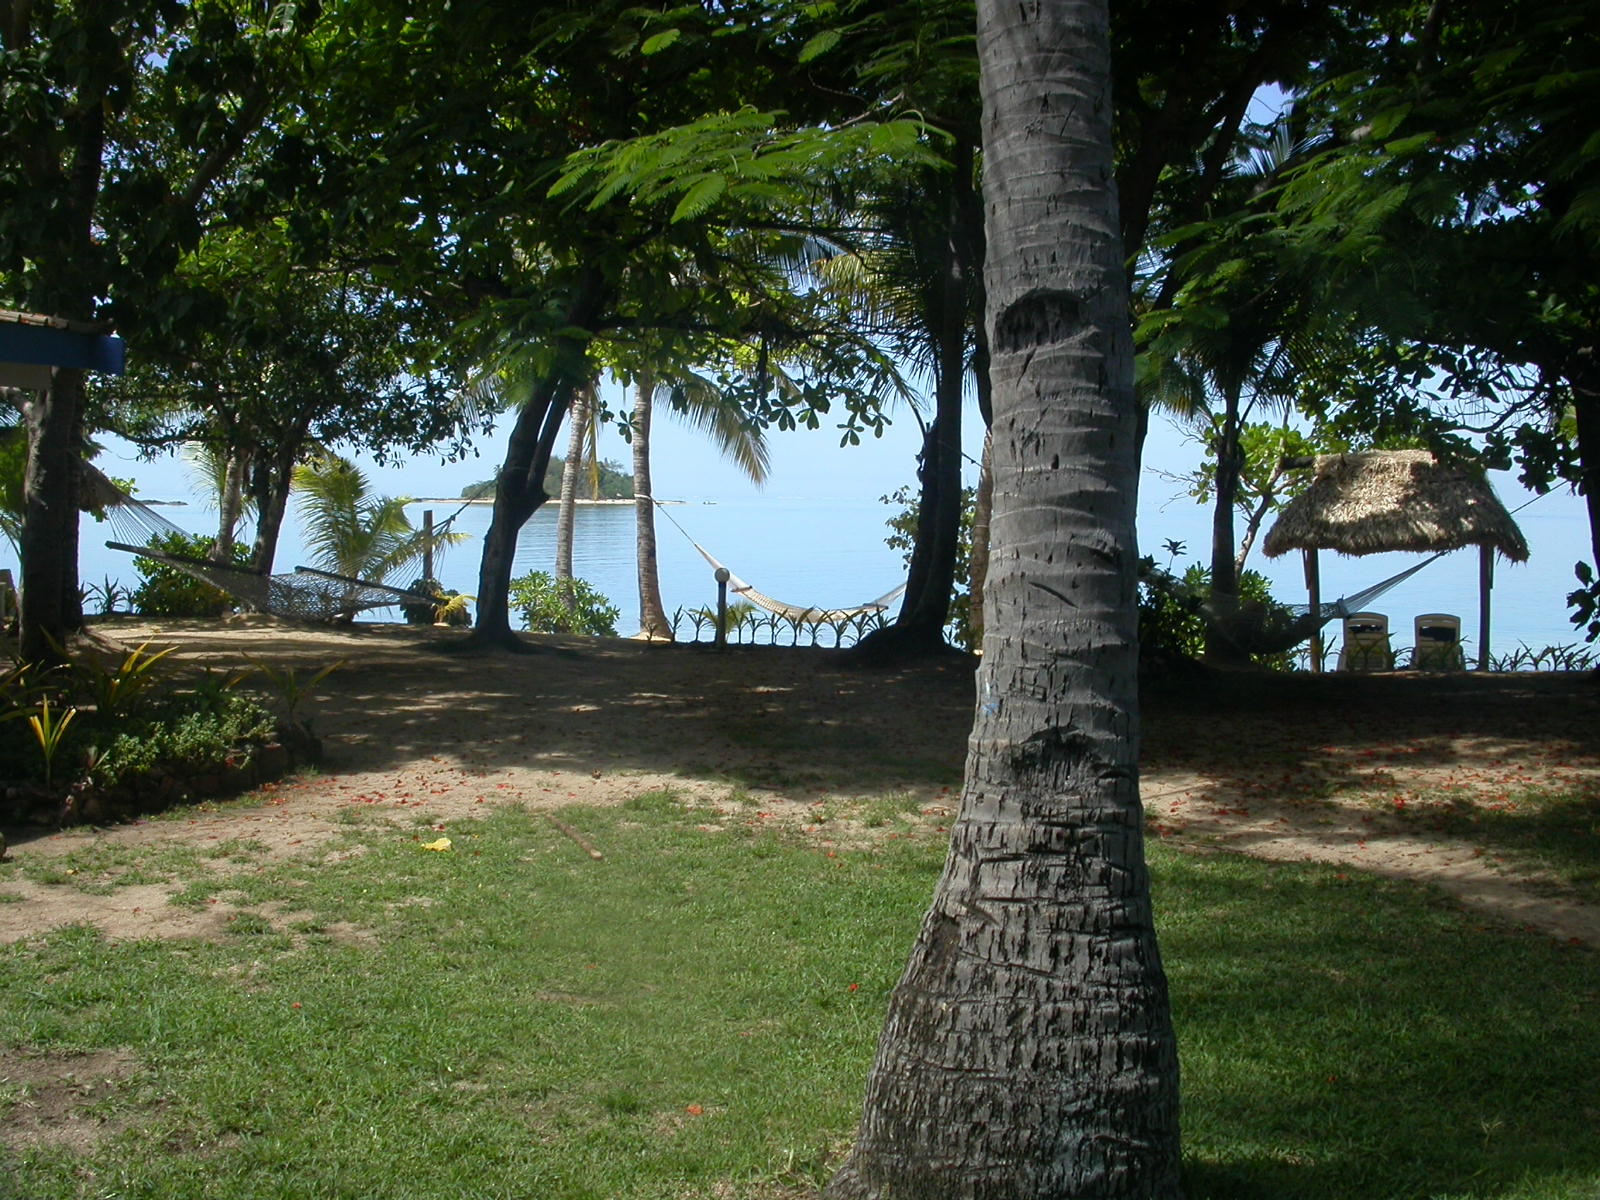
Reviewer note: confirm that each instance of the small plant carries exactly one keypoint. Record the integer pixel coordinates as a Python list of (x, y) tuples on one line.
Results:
[(290, 687), (114, 692), (453, 609), (573, 607), (108, 598), (50, 730), (1548, 658), (214, 687)]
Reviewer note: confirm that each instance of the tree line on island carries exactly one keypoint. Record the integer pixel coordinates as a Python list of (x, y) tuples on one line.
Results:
[(767, 215), (604, 480)]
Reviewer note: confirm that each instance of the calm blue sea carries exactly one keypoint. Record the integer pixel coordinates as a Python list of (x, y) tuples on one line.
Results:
[(832, 553)]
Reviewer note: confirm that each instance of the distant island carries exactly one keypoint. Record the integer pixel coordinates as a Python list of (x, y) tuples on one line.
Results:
[(615, 483)]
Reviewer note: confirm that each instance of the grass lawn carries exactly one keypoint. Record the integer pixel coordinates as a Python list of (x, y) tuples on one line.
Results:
[(693, 1016)]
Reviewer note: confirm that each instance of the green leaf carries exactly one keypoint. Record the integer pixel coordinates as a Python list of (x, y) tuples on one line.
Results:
[(820, 45), (659, 42), (700, 197)]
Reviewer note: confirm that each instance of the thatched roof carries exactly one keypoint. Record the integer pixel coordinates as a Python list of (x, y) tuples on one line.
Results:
[(1385, 500)]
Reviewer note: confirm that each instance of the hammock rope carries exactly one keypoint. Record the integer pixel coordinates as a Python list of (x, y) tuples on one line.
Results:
[(1256, 628), (800, 615)]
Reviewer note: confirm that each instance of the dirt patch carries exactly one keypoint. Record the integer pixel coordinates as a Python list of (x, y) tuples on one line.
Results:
[(52, 1098), (1284, 767)]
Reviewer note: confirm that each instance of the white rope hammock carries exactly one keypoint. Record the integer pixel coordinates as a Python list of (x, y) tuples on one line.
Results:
[(800, 615)]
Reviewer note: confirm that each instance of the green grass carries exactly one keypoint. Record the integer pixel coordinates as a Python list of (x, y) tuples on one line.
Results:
[(677, 1020)]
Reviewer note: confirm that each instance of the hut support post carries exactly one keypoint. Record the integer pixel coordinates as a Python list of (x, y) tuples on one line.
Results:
[(1485, 586), (1314, 587)]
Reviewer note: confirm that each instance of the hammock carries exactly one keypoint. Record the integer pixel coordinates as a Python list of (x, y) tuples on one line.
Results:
[(807, 615), (1252, 627), (304, 595)]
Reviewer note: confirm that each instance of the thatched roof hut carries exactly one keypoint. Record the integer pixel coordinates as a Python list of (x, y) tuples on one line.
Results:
[(1385, 500), (1398, 500)]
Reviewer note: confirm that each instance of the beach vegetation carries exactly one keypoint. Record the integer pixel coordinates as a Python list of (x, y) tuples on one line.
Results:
[(572, 606)]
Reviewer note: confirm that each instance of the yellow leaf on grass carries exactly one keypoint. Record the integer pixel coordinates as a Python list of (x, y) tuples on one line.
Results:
[(441, 844)]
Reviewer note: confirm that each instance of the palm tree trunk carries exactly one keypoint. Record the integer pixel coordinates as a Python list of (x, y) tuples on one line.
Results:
[(230, 506), (653, 621), (1028, 1050), (982, 520), (1224, 565), (567, 513)]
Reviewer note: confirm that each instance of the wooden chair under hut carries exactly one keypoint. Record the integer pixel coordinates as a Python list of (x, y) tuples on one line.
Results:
[(1381, 501)]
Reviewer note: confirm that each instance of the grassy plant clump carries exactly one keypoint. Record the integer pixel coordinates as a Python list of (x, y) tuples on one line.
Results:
[(694, 1015)]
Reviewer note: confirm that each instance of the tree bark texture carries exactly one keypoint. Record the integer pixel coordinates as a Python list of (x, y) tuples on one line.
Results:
[(653, 621), (49, 518), (1028, 1052)]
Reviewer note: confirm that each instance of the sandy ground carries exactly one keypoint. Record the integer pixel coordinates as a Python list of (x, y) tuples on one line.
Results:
[(1293, 768)]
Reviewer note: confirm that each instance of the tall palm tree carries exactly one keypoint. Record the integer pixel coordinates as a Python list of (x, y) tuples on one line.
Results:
[(579, 434), (222, 475), (698, 402), (1028, 1049)]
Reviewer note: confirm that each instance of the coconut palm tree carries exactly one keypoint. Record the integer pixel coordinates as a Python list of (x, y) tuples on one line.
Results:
[(221, 475), (1028, 1049), (352, 532), (697, 401)]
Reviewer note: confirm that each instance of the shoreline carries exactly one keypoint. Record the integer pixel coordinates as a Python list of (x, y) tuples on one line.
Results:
[(490, 500)]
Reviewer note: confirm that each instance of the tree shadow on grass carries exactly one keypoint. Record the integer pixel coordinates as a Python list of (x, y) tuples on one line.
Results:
[(1346, 1037)]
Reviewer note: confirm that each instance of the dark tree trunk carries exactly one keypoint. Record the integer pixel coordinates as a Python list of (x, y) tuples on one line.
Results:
[(653, 621), (918, 630), (1584, 379), (271, 478), (50, 518), (1224, 565), (1028, 1051)]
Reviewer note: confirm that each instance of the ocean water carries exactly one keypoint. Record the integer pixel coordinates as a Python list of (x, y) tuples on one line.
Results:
[(832, 553)]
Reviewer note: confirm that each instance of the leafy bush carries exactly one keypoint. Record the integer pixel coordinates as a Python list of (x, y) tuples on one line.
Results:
[(179, 738), (50, 741), (1170, 620), (165, 591), (575, 607)]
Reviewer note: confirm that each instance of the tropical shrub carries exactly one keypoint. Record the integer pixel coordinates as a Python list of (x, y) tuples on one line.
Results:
[(1170, 620), (574, 607), (352, 532), (165, 591)]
